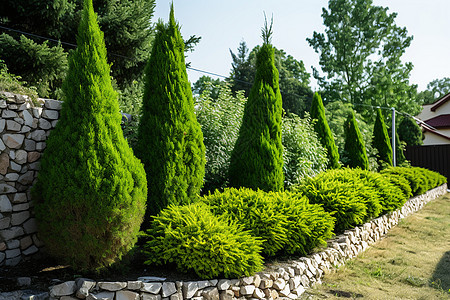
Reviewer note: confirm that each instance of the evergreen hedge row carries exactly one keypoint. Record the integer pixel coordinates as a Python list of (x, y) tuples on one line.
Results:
[(286, 222), (354, 196), (194, 239)]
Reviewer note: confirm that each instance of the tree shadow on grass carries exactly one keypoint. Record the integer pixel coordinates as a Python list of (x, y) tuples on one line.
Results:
[(441, 275)]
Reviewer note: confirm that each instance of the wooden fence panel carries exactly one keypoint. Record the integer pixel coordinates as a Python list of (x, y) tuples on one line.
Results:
[(433, 157)]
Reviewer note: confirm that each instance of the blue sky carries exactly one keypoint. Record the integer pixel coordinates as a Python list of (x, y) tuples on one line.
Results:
[(224, 24)]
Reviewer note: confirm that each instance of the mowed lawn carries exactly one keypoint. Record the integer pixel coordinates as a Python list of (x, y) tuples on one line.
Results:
[(411, 262)]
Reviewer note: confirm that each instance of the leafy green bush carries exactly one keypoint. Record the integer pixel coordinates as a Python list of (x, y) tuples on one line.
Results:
[(255, 211), (303, 153), (220, 119), (308, 225), (285, 222), (14, 84), (40, 65), (194, 239), (420, 179), (90, 192), (391, 195)]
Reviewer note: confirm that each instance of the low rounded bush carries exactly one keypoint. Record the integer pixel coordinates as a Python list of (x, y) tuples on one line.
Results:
[(286, 222), (391, 195), (255, 211), (196, 240), (308, 225), (419, 179)]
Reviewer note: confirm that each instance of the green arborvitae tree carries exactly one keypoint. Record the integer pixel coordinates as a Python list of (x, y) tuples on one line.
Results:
[(257, 158), (170, 140), (324, 132), (409, 132), (354, 148), (381, 141), (91, 191)]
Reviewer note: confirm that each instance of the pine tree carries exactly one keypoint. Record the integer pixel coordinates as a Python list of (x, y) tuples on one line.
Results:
[(257, 159), (381, 141), (324, 132), (170, 140), (127, 32), (354, 148), (91, 190)]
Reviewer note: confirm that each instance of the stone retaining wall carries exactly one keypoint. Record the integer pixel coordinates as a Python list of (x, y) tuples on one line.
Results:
[(24, 127), (287, 282)]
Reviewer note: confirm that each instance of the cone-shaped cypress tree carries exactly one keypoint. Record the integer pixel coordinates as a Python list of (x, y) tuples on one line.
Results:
[(170, 140), (381, 141), (91, 191), (354, 147), (323, 131), (257, 158)]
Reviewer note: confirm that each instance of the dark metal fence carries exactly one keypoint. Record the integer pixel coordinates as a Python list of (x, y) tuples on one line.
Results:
[(433, 157)]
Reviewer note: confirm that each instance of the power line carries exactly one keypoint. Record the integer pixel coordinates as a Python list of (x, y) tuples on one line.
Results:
[(201, 71)]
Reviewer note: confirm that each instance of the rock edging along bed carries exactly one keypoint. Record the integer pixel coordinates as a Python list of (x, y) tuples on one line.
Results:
[(287, 282)]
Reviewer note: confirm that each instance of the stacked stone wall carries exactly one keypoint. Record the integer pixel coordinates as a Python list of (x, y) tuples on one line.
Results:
[(24, 128)]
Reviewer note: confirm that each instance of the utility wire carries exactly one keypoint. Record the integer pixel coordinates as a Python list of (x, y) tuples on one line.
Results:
[(202, 71)]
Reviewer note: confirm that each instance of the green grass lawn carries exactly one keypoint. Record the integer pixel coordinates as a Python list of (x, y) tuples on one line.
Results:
[(411, 262)]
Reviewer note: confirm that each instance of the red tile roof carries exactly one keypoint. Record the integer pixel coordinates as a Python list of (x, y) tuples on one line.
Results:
[(439, 121)]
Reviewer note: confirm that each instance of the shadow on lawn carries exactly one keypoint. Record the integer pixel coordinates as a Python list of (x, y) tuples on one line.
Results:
[(441, 275)]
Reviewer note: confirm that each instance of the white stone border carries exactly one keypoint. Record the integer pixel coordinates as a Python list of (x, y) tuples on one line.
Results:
[(284, 283)]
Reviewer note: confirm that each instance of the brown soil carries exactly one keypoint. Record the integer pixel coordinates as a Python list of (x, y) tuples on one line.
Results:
[(45, 272)]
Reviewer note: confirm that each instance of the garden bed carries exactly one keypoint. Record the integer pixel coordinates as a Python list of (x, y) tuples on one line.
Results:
[(287, 279)]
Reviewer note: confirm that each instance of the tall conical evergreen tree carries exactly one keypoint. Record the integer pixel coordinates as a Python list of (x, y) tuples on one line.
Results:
[(381, 141), (354, 148), (91, 191), (323, 131), (170, 140), (257, 158)]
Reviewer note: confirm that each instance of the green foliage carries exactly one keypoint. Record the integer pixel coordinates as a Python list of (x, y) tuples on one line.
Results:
[(324, 132), (354, 196), (286, 222), (361, 55), (336, 113), (345, 199), (303, 153), (256, 211), (90, 192), (220, 119), (410, 132), (39, 65), (126, 24), (355, 155), (293, 77), (436, 89), (381, 141), (257, 159), (391, 196), (209, 85), (170, 140), (419, 179), (14, 84), (194, 239)]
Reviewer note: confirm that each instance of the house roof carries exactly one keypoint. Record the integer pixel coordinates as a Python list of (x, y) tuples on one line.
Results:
[(431, 130), (440, 102), (439, 121)]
